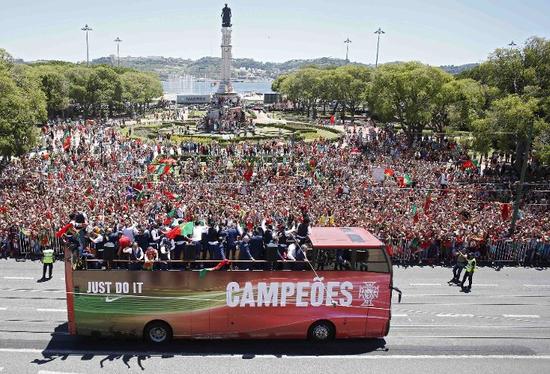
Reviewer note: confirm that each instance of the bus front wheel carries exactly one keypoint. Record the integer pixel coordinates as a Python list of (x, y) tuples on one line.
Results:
[(157, 332), (321, 331)]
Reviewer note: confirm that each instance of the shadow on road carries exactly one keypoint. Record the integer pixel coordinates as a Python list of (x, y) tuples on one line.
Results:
[(62, 346)]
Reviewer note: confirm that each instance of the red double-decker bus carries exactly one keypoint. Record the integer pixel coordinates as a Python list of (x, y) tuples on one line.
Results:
[(342, 290)]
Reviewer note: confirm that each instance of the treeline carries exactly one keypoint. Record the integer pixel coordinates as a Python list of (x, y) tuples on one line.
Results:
[(498, 101), (29, 94)]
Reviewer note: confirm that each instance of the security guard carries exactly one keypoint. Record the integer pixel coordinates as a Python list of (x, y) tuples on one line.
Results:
[(469, 273), (47, 261)]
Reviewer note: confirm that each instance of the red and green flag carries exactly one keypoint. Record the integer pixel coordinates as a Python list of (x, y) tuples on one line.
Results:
[(469, 165), (184, 229), (164, 169), (63, 230), (389, 172), (404, 181), (219, 266), (172, 196)]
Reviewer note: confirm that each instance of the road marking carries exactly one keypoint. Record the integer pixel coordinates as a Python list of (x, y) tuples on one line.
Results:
[(485, 285), (54, 372), (50, 310), (453, 315), (20, 278), (521, 315), (424, 284), (536, 285), (399, 315)]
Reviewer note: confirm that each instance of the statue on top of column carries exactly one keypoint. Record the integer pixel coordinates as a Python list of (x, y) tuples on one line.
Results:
[(226, 16)]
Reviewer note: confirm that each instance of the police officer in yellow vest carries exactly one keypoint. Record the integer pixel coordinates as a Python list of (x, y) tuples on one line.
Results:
[(469, 273), (47, 261)]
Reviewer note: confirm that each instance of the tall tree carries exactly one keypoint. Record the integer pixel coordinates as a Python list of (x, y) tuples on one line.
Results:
[(507, 125), (22, 107), (405, 93)]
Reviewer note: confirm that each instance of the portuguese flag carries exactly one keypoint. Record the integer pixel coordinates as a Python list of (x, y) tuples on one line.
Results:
[(202, 272), (183, 229), (63, 230), (163, 169), (404, 181)]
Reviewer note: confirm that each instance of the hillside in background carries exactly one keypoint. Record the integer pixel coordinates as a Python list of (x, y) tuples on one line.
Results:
[(243, 68)]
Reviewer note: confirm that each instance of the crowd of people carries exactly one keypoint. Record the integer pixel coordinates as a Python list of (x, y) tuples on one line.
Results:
[(428, 193)]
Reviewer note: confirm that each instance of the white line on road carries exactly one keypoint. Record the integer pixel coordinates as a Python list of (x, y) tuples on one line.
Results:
[(3, 308), (50, 310), (453, 315), (536, 285), (399, 315), (54, 372), (424, 284), (20, 278), (521, 315), (486, 285)]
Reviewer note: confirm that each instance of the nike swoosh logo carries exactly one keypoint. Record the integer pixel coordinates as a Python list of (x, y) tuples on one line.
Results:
[(110, 300)]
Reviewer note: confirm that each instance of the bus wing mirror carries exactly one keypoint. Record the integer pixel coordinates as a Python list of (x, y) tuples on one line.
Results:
[(399, 293)]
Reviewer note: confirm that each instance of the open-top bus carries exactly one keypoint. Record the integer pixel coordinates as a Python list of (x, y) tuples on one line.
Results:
[(342, 290)]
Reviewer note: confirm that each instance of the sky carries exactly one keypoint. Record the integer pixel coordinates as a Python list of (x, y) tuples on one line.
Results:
[(436, 32)]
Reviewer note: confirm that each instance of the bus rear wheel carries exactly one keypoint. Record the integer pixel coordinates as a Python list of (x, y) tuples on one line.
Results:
[(321, 331), (157, 332)]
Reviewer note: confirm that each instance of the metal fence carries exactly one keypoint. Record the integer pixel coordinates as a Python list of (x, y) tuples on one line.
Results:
[(492, 252), (402, 251)]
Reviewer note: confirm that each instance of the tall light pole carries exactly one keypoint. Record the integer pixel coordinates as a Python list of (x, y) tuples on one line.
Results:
[(379, 32), (512, 44), (87, 28), (117, 41), (347, 41)]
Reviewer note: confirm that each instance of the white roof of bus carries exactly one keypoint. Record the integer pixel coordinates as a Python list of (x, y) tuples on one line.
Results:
[(343, 237)]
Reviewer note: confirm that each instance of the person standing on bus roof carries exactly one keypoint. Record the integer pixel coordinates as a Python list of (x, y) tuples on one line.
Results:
[(244, 253)]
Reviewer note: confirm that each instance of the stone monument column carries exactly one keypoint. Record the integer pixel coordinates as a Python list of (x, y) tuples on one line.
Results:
[(225, 68)]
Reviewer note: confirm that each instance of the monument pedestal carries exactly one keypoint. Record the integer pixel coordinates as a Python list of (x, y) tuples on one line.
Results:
[(225, 85)]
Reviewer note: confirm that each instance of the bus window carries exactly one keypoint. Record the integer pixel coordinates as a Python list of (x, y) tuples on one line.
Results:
[(372, 259)]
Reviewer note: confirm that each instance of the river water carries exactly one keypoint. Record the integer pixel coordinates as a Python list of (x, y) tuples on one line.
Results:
[(190, 85)]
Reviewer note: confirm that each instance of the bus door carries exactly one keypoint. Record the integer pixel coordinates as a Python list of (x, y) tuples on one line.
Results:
[(374, 291)]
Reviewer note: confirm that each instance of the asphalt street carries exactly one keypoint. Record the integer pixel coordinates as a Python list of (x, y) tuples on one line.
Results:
[(502, 326)]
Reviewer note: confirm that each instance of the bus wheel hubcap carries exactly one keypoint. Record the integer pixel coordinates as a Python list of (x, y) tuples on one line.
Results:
[(157, 334), (321, 332)]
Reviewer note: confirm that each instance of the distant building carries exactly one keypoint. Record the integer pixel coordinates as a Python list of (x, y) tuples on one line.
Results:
[(272, 98)]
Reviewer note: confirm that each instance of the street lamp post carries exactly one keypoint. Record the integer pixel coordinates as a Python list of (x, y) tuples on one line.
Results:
[(379, 32), (86, 28), (347, 41), (512, 44), (117, 41)]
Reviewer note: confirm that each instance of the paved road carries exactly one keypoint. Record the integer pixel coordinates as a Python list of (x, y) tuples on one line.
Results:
[(502, 326)]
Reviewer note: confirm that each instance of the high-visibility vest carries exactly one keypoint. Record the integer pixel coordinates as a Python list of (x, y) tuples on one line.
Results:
[(471, 266), (47, 256)]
